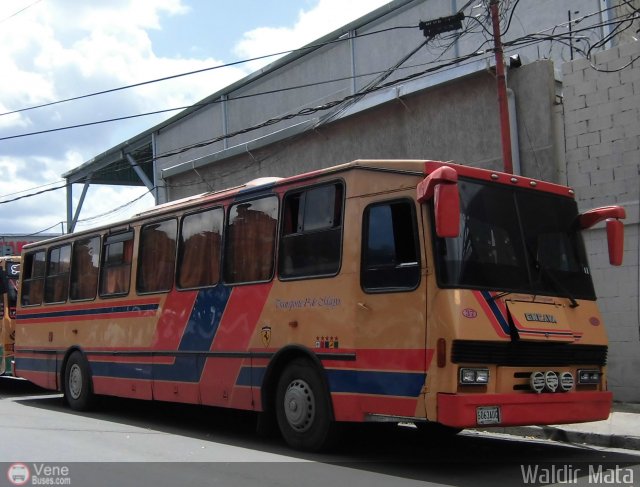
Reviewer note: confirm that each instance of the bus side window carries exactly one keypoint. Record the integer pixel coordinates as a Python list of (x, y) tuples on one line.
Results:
[(390, 257), (250, 240), (85, 263), (157, 257), (33, 278), (116, 264), (56, 285), (311, 237), (199, 249)]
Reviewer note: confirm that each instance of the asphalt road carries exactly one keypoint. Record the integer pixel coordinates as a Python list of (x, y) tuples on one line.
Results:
[(127, 442)]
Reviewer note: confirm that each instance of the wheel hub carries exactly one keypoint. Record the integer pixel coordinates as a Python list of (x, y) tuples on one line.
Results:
[(75, 381), (300, 405)]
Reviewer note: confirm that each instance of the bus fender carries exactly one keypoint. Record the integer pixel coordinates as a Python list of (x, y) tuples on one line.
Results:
[(63, 365), (277, 365)]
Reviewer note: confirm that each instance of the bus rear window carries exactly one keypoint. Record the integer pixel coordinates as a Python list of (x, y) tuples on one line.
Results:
[(56, 288), (250, 240), (85, 262), (33, 278), (116, 266), (199, 250), (157, 257)]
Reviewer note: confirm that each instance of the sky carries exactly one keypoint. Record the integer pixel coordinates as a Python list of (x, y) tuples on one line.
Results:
[(52, 50)]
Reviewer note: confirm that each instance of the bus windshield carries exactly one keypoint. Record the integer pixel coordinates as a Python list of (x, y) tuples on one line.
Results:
[(515, 240)]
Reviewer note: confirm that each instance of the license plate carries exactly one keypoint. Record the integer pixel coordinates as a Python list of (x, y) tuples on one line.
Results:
[(488, 415)]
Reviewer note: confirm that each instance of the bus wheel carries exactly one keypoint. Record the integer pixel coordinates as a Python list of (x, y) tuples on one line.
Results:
[(303, 407), (77, 383)]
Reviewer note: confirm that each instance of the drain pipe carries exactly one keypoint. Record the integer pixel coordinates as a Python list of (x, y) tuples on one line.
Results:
[(513, 124)]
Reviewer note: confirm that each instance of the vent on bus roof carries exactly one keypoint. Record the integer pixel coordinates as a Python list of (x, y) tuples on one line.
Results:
[(262, 181)]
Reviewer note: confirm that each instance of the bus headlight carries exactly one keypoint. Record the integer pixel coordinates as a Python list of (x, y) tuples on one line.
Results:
[(566, 381), (588, 376), (470, 376), (551, 381), (536, 380)]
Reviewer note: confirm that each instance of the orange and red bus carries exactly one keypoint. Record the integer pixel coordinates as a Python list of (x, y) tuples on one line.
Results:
[(401, 291), (9, 278)]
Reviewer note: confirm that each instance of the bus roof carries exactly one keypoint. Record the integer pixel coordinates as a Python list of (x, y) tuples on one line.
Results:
[(415, 167)]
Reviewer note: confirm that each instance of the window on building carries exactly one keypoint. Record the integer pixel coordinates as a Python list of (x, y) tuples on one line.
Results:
[(116, 264), (390, 252), (85, 264), (33, 278), (157, 257), (250, 240), (199, 249), (56, 287), (311, 232)]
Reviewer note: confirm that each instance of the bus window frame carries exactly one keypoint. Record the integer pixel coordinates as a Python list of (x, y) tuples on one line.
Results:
[(225, 237), (220, 253), (24, 281), (100, 249), (108, 239), (47, 276), (298, 190), (138, 260), (416, 241)]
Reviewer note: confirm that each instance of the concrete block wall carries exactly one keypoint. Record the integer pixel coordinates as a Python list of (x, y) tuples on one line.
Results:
[(601, 101)]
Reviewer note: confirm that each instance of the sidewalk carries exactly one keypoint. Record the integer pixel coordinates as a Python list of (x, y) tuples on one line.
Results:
[(621, 430)]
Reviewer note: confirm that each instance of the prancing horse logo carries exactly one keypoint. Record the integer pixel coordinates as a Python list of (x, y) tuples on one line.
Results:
[(266, 336)]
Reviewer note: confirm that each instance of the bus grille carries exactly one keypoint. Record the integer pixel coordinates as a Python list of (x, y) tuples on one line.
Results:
[(527, 353)]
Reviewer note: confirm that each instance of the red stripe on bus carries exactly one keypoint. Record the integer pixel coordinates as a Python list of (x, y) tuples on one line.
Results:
[(489, 314), (237, 329), (174, 318), (134, 388), (354, 407)]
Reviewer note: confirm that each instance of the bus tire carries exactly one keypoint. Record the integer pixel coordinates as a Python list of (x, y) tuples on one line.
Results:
[(303, 407), (78, 389)]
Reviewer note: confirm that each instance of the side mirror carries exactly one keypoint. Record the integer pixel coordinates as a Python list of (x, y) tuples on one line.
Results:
[(615, 241), (615, 228), (442, 186)]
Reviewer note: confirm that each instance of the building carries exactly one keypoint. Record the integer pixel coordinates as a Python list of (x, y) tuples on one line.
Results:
[(373, 90)]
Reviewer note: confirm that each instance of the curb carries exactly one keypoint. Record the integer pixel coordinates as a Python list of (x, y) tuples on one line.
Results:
[(561, 435)]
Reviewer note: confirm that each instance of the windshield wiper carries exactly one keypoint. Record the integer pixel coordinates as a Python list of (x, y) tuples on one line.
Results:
[(558, 285), (500, 295)]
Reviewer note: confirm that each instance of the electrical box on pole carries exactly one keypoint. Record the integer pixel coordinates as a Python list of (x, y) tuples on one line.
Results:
[(432, 28)]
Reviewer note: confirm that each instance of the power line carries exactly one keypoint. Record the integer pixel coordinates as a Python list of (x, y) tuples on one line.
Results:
[(33, 194), (524, 40), (197, 71), (20, 11)]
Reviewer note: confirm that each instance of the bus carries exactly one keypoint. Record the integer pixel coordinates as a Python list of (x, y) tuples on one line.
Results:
[(9, 276), (373, 291)]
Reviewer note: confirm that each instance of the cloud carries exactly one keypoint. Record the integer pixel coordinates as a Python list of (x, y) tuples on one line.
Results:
[(57, 50)]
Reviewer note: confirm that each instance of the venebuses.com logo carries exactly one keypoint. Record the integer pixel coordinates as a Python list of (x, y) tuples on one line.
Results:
[(18, 474), (38, 474)]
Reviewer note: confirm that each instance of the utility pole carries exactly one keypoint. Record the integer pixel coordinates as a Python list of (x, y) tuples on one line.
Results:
[(501, 78)]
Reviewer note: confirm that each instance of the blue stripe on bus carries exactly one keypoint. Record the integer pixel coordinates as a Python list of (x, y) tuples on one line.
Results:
[(407, 384), (36, 364), (251, 376), (90, 312), (198, 336), (493, 306), (188, 369)]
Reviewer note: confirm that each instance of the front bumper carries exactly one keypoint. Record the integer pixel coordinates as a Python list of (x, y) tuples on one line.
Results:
[(460, 410)]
